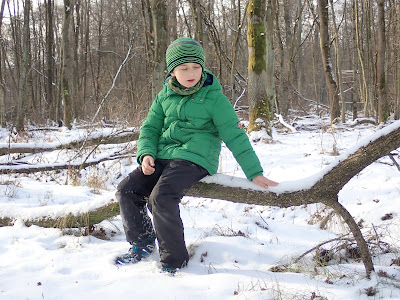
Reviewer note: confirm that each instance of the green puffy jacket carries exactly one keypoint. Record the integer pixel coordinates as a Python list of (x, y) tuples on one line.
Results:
[(193, 127)]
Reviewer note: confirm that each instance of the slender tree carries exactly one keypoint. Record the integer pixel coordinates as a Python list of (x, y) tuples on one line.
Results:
[(50, 59), (76, 22), (327, 61), (397, 56), (2, 87), (259, 105), (25, 68), (172, 20), (270, 54), (159, 12), (197, 20), (383, 106), (235, 46), (66, 71), (338, 63)]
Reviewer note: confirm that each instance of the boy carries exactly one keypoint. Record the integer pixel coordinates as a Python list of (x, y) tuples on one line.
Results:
[(179, 144)]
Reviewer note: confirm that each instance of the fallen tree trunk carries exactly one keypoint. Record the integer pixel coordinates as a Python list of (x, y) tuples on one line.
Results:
[(323, 188), (28, 169), (116, 138)]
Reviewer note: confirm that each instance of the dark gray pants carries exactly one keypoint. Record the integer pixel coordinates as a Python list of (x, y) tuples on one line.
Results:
[(164, 190)]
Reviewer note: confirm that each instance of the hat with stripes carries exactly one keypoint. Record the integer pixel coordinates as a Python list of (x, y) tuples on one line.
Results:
[(184, 50)]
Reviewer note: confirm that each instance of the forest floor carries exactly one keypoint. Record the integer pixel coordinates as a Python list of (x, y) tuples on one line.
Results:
[(238, 251)]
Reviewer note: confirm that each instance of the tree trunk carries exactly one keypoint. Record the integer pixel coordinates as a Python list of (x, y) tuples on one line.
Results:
[(22, 85), (66, 72), (75, 61), (270, 54), (259, 107), (300, 73), (159, 12), (324, 191), (235, 45), (50, 60), (383, 106), (172, 20), (338, 64), (197, 20), (355, 64), (397, 95), (2, 87), (327, 61), (116, 138), (286, 72)]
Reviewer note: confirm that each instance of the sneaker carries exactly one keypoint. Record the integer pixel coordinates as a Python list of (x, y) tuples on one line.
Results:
[(169, 270), (140, 249)]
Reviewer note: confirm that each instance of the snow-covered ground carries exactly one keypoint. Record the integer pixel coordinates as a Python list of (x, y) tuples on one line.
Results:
[(238, 251)]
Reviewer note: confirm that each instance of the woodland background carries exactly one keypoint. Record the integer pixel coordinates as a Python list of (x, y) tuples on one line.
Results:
[(63, 61)]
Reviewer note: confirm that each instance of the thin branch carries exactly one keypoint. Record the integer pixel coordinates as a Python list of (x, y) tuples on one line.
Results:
[(394, 161), (341, 238)]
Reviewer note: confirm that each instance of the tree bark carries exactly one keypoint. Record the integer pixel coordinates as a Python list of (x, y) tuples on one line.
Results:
[(172, 8), (22, 85), (50, 60), (159, 12), (2, 87), (66, 73), (197, 20), (270, 54), (327, 61), (76, 25), (338, 64), (259, 106), (383, 105)]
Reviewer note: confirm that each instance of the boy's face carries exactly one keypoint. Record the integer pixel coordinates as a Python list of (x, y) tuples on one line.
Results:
[(187, 74)]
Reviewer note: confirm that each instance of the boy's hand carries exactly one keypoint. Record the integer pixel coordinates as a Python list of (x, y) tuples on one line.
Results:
[(148, 165), (264, 182)]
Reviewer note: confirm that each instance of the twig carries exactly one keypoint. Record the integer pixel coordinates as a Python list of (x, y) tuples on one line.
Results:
[(341, 238), (113, 84), (282, 121), (394, 161)]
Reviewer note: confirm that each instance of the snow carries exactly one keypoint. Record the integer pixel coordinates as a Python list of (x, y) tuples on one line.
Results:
[(233, 245)]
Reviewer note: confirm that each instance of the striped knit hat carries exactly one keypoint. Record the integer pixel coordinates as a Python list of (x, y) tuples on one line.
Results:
[(184, 50)]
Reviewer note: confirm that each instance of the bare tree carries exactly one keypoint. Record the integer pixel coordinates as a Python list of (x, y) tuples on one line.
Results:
[(259, 105), (338, 63), (159, 12), (235, 46), (50, 60), (76, 25), (2, 87), (270, 54), (397, 57), (25, 68), (172, 20), (66, 72), (383, 106), (197, 20), (327, 61)]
